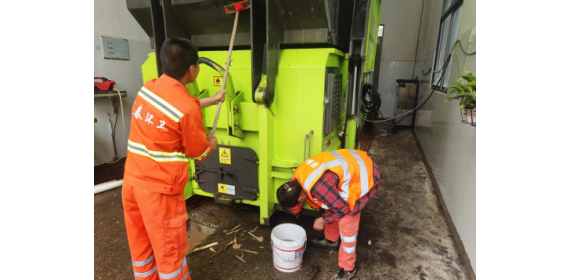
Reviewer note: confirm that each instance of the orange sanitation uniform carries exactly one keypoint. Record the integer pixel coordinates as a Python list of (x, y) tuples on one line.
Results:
[(166, 131), (355, 172)]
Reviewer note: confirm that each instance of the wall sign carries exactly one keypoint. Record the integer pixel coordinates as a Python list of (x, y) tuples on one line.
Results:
[(115, 48)]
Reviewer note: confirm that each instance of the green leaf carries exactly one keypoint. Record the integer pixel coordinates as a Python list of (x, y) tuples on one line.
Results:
[(468, 77), (465, 93)]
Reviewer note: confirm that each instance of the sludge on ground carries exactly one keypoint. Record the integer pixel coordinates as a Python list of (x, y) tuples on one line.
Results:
[(409, 236)]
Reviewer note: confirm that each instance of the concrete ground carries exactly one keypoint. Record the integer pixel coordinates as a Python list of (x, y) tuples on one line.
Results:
[(403, 233)]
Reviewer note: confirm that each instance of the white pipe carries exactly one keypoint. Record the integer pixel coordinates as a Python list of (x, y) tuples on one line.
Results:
[(107, 186)]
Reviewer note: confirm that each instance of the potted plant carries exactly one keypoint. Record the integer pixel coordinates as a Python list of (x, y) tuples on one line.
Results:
[(466, 94)]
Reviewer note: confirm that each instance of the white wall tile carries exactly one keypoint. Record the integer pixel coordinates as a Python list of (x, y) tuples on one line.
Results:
[(102, 131), (116, 69), (121, 139), (104, 21), (433, 20), (449, 145), (468, 216), (452, 159), (455, 174), (97, 46), (468, 16), (141, 48), (113, 19), (401, 21), (390, 71), (140, 55), (105, 152)]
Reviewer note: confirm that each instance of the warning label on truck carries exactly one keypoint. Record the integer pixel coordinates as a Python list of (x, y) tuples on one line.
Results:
[(227, 189), (217, 80), (225, 156)]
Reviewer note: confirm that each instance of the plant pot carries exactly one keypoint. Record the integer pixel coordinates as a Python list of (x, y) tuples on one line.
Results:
[(468, 116)]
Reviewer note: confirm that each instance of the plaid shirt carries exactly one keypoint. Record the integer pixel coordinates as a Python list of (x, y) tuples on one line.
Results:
[(326, 190)]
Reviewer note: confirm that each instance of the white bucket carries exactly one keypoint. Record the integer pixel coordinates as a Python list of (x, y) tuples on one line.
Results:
[(288, 242)]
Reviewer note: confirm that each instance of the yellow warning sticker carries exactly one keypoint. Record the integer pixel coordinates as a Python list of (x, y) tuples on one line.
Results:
[(217, 80), (222, 188), (225, 156), (227, 189)]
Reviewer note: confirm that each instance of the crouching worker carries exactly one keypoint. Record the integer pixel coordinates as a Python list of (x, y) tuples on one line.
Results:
[(341, 182)]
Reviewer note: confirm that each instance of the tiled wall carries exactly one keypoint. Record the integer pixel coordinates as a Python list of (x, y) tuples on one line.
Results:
[(401, 21), (113, 19), (390, 71), (449, 145)]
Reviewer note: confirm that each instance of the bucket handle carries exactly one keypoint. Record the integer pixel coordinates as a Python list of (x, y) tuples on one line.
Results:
[(304, 246)]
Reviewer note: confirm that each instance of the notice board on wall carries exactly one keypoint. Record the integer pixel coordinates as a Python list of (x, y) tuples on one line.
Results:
[(115, 48)]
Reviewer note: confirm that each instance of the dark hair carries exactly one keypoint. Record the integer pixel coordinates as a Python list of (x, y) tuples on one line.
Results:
[(288, 194), (177, 55)]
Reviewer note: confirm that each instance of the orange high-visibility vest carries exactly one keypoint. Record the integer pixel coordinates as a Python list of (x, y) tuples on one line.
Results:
[(354, 169)]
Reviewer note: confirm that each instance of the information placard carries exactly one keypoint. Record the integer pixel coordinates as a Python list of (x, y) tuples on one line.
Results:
[(115, 48)]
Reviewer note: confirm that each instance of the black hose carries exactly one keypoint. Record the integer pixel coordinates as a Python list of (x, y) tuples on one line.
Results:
[(370, 101)]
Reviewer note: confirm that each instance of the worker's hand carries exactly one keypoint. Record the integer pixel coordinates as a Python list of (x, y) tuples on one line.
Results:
[(319, 224), (220, 96), (213, 140)]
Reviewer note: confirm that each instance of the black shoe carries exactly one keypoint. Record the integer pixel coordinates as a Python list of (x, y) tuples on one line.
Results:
[(343, 274), (324, 243)]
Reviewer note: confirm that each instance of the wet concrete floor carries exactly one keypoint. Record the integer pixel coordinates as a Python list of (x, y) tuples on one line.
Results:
[(408, 235)]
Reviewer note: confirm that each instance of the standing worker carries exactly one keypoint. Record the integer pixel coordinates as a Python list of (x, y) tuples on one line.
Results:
[(166, 131), (341, 182)]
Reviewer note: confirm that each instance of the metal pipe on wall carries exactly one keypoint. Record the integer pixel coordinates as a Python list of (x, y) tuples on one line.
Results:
[(107, 186)]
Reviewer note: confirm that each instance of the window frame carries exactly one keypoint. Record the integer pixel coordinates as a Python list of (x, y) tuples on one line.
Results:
[(379, 43), (453, 7)]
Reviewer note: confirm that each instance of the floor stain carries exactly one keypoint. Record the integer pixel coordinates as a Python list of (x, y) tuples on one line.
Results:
[(403, 233)]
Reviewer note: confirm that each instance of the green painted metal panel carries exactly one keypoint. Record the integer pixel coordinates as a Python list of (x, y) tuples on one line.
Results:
[(372, 36), (149, 70), (299, 104), (278, 140), (350, 139)]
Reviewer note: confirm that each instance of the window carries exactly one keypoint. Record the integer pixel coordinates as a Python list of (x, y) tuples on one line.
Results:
[(448, 28)]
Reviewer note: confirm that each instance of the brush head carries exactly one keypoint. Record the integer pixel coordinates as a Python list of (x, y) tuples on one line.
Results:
[(237, 7)]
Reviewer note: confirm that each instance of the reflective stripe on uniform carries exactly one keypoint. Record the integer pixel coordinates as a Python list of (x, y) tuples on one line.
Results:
[(349, 250), (318, 171), (348, 238), (313, 176), (346, 175), (160, 104), (363, 173), (141, 263), (186, 276), (203, 155), (146, 274), (332, 163), (175, 273), (141, 149)]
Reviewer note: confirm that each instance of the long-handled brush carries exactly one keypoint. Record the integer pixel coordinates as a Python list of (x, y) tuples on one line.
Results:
[(230, 9)]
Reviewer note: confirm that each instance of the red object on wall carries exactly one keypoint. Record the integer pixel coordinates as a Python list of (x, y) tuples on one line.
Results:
[(106, 85)]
